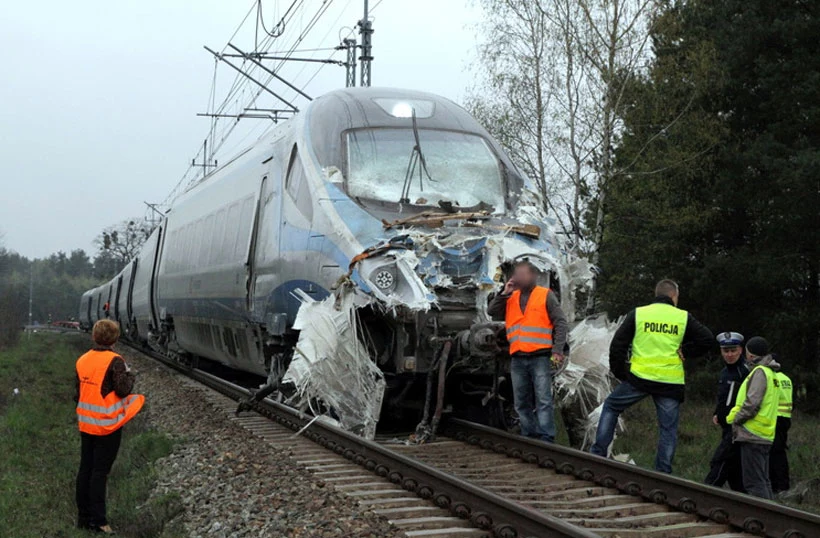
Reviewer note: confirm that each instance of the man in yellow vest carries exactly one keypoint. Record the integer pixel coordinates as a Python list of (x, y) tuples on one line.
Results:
[(660, 335), (537, 333), (754, 417), (104, 405), (778, 458)]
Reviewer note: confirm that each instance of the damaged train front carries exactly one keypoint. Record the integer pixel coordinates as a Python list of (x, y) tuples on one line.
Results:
[(441, 216)]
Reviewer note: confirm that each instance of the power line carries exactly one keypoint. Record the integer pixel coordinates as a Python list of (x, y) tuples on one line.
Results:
[(241, 94)]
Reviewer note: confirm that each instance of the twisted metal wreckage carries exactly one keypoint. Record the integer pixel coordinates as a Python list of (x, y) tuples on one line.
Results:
[(334, 371)]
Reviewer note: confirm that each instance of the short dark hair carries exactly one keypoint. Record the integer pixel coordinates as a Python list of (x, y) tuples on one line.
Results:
[(666, 287)]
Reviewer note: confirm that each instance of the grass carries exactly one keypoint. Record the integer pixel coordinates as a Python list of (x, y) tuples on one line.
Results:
[(698, 438), (40, 445)]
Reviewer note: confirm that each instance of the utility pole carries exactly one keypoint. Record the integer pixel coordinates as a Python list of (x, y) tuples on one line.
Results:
[(152, 219), (205, 164), (366, 31), (349, 45), (30, 291)]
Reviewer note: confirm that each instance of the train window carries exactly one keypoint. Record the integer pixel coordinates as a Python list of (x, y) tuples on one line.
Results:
[(297, 185), (173, 263), (197, 231), (207, 239), (463, 170), (229, 237), (217, 254), (188, 248), (244, 229)]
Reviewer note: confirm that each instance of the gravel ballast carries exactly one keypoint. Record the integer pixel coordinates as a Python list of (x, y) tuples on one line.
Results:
[(230, 482)]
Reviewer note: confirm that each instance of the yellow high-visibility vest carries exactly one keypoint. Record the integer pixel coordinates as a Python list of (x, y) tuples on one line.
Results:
[(784, 403), (659, 330), (764, 422)]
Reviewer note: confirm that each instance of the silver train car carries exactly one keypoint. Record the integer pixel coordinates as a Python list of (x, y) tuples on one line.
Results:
[(398, 197)]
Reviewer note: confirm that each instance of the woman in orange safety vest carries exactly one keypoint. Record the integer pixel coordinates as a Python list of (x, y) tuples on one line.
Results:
[(104, 405)]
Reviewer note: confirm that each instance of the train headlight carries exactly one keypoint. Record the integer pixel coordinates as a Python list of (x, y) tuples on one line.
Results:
[(384, 278)]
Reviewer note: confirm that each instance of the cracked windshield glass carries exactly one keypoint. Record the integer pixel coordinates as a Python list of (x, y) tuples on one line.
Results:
[(462, 168)]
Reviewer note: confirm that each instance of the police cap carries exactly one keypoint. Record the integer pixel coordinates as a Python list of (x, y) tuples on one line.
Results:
[(730, 339)]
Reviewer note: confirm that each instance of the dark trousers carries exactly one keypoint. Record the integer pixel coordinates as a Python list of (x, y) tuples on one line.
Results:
[(778, 458), (754, 458), (97, 455), (622, 398), (725, 464)]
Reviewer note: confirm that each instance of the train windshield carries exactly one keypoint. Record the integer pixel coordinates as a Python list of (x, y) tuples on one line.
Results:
[(394, 165)]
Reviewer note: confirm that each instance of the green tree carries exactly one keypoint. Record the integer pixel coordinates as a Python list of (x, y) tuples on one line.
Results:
[(726, 197)]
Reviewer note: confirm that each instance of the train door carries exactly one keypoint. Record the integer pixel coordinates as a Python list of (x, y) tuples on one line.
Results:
[(117, 301), (152, 294), (250, 264), (267, 274), (129, 312)]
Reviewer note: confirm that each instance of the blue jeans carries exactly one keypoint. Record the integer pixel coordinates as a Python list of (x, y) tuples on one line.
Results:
[(532, 394), (622, 398)]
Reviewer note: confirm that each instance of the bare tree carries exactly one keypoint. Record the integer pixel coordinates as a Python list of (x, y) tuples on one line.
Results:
[(122, 242), (552, 94), (513, 102)]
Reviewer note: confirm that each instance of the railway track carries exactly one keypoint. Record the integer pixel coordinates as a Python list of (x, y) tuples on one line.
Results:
[(479, 481)]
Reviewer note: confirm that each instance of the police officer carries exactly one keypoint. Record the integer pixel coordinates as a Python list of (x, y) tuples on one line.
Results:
[(537, 333), (660, 335), (754, 417), (778, 458), (725, 464)]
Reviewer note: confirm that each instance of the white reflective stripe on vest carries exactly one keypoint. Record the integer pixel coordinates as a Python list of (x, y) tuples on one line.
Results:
[(100, 409), (538, 330), (531, 339), (513, 328), (100, 421)]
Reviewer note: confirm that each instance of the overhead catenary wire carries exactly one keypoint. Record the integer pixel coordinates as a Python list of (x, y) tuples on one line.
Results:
[(243, 94)]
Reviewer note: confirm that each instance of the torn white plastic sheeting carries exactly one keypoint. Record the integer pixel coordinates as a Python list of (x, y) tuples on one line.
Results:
[(331, 366), (585, 382)]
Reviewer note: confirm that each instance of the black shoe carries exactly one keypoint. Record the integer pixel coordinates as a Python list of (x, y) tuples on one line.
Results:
[(102, 529)]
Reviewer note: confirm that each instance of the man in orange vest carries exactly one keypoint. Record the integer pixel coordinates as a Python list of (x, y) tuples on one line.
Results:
[(104, 405), (537, 333)]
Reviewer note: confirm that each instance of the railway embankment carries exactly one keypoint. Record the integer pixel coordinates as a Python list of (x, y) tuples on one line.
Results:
[(183, 470)]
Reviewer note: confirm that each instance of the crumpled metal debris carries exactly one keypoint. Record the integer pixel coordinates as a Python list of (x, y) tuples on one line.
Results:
[(331, 369)]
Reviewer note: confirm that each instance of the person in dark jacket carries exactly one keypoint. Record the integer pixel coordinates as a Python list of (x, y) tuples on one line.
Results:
[(725, 464), (655, 338), (778, 457), (537, 333)]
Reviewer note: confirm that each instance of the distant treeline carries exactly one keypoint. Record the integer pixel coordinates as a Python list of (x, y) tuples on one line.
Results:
[(56, 284)]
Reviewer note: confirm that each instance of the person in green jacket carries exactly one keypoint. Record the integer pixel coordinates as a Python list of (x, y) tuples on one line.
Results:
[(754, 417)]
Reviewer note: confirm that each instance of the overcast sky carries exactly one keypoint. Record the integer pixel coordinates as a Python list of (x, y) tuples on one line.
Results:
[(98, 98)]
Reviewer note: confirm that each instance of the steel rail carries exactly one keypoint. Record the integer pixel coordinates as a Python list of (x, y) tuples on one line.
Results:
[(487, 510), (752, 515)]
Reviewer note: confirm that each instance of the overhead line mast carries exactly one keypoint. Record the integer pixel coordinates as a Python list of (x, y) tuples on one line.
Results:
[(253, 64), (366, 31)]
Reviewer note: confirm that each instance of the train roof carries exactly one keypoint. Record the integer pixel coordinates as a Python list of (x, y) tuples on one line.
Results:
[(336, 112)]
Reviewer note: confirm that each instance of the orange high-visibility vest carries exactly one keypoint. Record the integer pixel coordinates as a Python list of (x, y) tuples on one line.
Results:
[(97, 415), (530, 330)]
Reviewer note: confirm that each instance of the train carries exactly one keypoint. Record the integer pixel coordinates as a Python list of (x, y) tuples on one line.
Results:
[(397, 198)]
